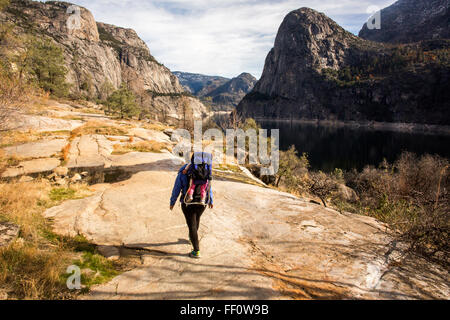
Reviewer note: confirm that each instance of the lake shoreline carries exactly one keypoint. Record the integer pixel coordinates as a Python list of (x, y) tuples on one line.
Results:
[(369, 125)]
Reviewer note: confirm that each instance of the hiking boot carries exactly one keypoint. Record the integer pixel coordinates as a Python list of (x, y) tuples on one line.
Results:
[(195, 254)]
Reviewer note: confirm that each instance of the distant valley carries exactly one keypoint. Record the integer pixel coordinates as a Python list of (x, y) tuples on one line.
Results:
[(221, 94)]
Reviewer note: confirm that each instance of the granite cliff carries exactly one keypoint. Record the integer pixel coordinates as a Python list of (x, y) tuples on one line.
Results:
[(319, 71), (98, 54)]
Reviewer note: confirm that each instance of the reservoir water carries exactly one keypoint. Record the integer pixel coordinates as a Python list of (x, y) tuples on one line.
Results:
[(345, 147)]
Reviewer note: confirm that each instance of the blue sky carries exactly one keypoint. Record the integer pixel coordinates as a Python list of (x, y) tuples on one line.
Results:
[(218, 37)]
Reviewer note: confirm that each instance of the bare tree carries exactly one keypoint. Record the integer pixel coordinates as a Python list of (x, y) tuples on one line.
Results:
[(164, 115), (322, 186), (187, 114), (233, 121), (14, 96)]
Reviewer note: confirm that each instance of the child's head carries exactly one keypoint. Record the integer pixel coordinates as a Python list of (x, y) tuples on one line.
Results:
[(200, 157)]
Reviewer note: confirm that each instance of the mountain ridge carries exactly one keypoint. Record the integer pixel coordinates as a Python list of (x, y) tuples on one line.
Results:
[(319, 71), (98, 54), (199, 84), (223, 94)]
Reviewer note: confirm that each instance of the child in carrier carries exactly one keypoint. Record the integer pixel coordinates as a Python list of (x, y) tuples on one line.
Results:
[(200, 172)]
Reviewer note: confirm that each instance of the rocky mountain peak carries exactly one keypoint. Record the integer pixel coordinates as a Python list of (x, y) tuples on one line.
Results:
[(306, 40), (246, 75), (410, 21), (53, 17), (232, 92), (125, 36)]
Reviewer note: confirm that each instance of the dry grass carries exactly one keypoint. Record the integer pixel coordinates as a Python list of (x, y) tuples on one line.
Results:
[(98, 127), (228, 167), (27, 269), (33, 266), (28, 272), (13, 161), (91, 111), (40, 104), (157, 126), (19, 204), (3, 161), (70, 118), (65, 152), (12, 138), (143, 146)]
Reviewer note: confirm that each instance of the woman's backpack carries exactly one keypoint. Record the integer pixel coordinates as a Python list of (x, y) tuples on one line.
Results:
[(200, 173), (200, 170)]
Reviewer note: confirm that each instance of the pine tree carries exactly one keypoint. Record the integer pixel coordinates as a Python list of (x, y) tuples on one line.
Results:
[(46, 64), (123, 102), (106, 90)]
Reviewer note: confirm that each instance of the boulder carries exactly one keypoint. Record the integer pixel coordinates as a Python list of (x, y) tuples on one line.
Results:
[(347, 193), (77, 177), (26, 179), (32, 167), (61, 181), (109, 252), (168, 132), (61, 171), (8, 233)]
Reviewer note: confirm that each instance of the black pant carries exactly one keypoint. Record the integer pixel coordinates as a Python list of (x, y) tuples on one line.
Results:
[(192, 214)]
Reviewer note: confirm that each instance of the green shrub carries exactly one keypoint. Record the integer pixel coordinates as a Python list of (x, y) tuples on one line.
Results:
[(101, 269), (61, 194)]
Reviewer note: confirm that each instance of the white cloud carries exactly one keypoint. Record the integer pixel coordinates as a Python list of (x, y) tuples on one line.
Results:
[(217, 37)]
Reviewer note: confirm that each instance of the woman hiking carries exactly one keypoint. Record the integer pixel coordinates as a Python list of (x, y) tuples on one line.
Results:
[(193, 210)]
